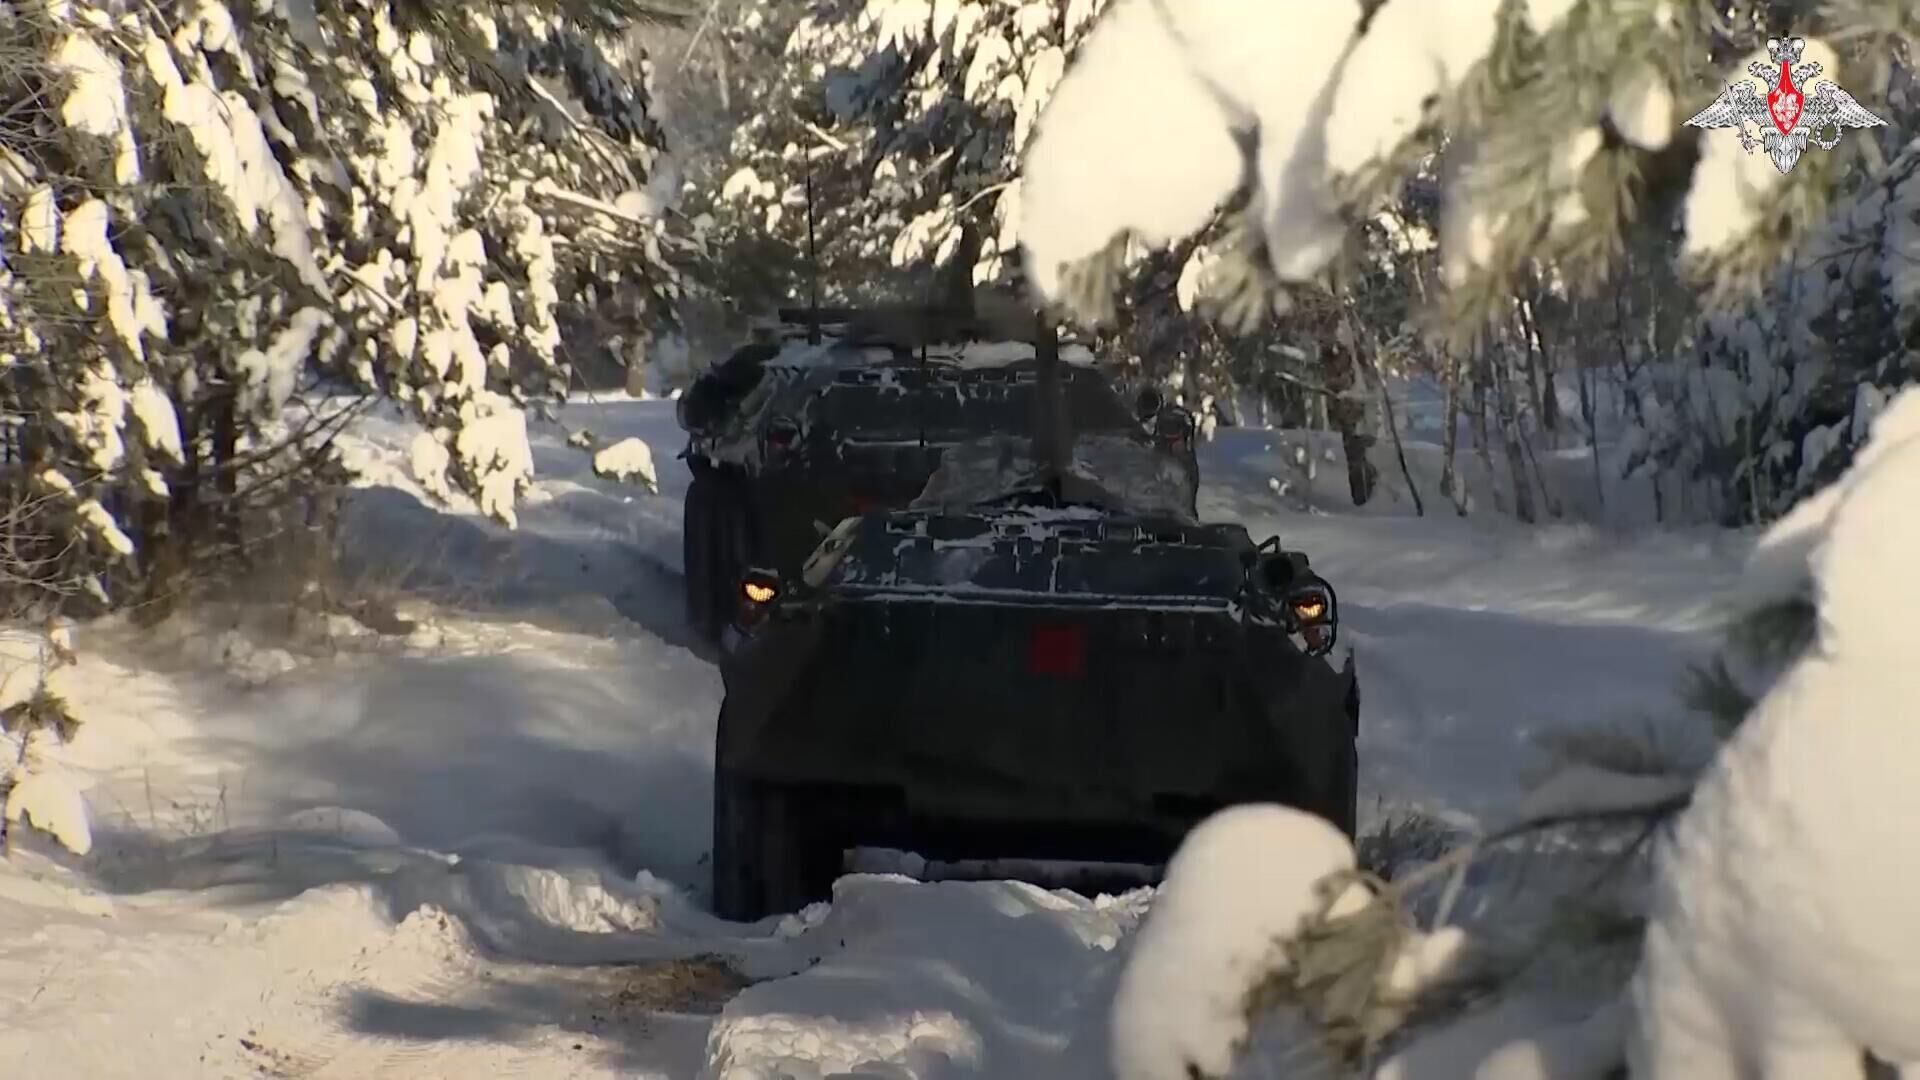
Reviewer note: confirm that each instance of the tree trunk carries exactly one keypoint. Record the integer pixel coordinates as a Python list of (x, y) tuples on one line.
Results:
[(1630, 391), (170, 544), (1482, 438), (1449, 478), (1554, 509), (226, 476), (1510, 439), (1399, 448), (1540, 372), (1364, 355), (1590, 415)]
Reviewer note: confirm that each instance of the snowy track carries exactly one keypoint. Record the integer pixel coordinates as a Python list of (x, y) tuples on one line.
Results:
[(483, 854)]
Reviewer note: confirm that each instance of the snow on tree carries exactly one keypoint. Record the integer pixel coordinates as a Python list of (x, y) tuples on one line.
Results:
[(1766, 400), (1269, 952), (1558, 118), (1218, 929), (221, 206), (34, 717), (1778, 943), (910, 115)]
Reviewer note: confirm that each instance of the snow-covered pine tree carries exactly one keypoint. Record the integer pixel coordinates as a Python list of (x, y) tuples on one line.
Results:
[(1767, 400), (913, 115), (1558, 124), (752, 66), (214, 206)]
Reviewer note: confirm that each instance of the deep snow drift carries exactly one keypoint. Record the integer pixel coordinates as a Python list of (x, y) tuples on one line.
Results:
[(474, 845)]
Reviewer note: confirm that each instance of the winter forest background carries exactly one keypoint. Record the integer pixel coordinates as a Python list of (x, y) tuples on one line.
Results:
[(1514, 287)]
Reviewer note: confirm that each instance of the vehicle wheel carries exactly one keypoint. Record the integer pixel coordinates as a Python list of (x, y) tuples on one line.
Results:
[(1346, 807), (722, 548), (764, 860), (696, 555), (732, 550), (1347, 791)]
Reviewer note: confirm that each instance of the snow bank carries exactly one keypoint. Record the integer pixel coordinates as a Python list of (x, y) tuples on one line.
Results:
[(349, 977), (934, 980), (593, 547)]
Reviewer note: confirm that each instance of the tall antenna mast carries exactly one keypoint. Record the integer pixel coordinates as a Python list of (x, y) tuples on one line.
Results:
[(813, 266), (1053, 440)]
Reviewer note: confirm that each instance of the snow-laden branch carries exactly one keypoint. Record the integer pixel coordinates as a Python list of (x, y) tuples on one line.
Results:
[(1169, 110)]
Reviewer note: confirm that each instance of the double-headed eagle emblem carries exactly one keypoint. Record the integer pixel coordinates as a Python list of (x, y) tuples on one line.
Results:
[(1795, 118)]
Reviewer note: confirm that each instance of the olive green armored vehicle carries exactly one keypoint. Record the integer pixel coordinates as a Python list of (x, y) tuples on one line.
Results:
[(848, 410), (1026, 666)]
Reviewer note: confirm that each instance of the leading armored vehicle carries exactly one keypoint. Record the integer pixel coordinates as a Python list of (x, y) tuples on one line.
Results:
[(1062, 668), (848, 410)]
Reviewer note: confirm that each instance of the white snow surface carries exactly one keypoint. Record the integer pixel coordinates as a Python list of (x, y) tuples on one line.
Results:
[(473, 845)]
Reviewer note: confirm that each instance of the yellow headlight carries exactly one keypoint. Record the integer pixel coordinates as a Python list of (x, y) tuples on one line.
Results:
[(758, 593), (1310, 607)]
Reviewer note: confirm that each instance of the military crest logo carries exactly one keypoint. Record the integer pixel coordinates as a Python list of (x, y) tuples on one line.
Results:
[(1788, 118)]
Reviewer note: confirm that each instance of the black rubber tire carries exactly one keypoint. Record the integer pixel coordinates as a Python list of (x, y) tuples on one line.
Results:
[(732, 551), (1346, 808), (723, 546), (1347, 792), (764, 860), (696, 556)]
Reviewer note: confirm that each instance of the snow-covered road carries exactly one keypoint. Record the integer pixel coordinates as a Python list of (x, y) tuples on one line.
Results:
[(481, 853)]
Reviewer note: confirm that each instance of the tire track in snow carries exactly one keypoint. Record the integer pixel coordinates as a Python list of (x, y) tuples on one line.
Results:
[(642, 606), (426, 997)]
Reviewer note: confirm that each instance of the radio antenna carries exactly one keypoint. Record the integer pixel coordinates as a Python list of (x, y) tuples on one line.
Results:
[(813, 266)]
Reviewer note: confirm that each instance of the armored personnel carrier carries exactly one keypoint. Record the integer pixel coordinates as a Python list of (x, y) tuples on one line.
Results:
[(846, 410), (1061, 668)]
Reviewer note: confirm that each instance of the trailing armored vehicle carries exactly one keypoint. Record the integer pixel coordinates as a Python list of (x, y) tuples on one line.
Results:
[(850, 410), (1057, 666)]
